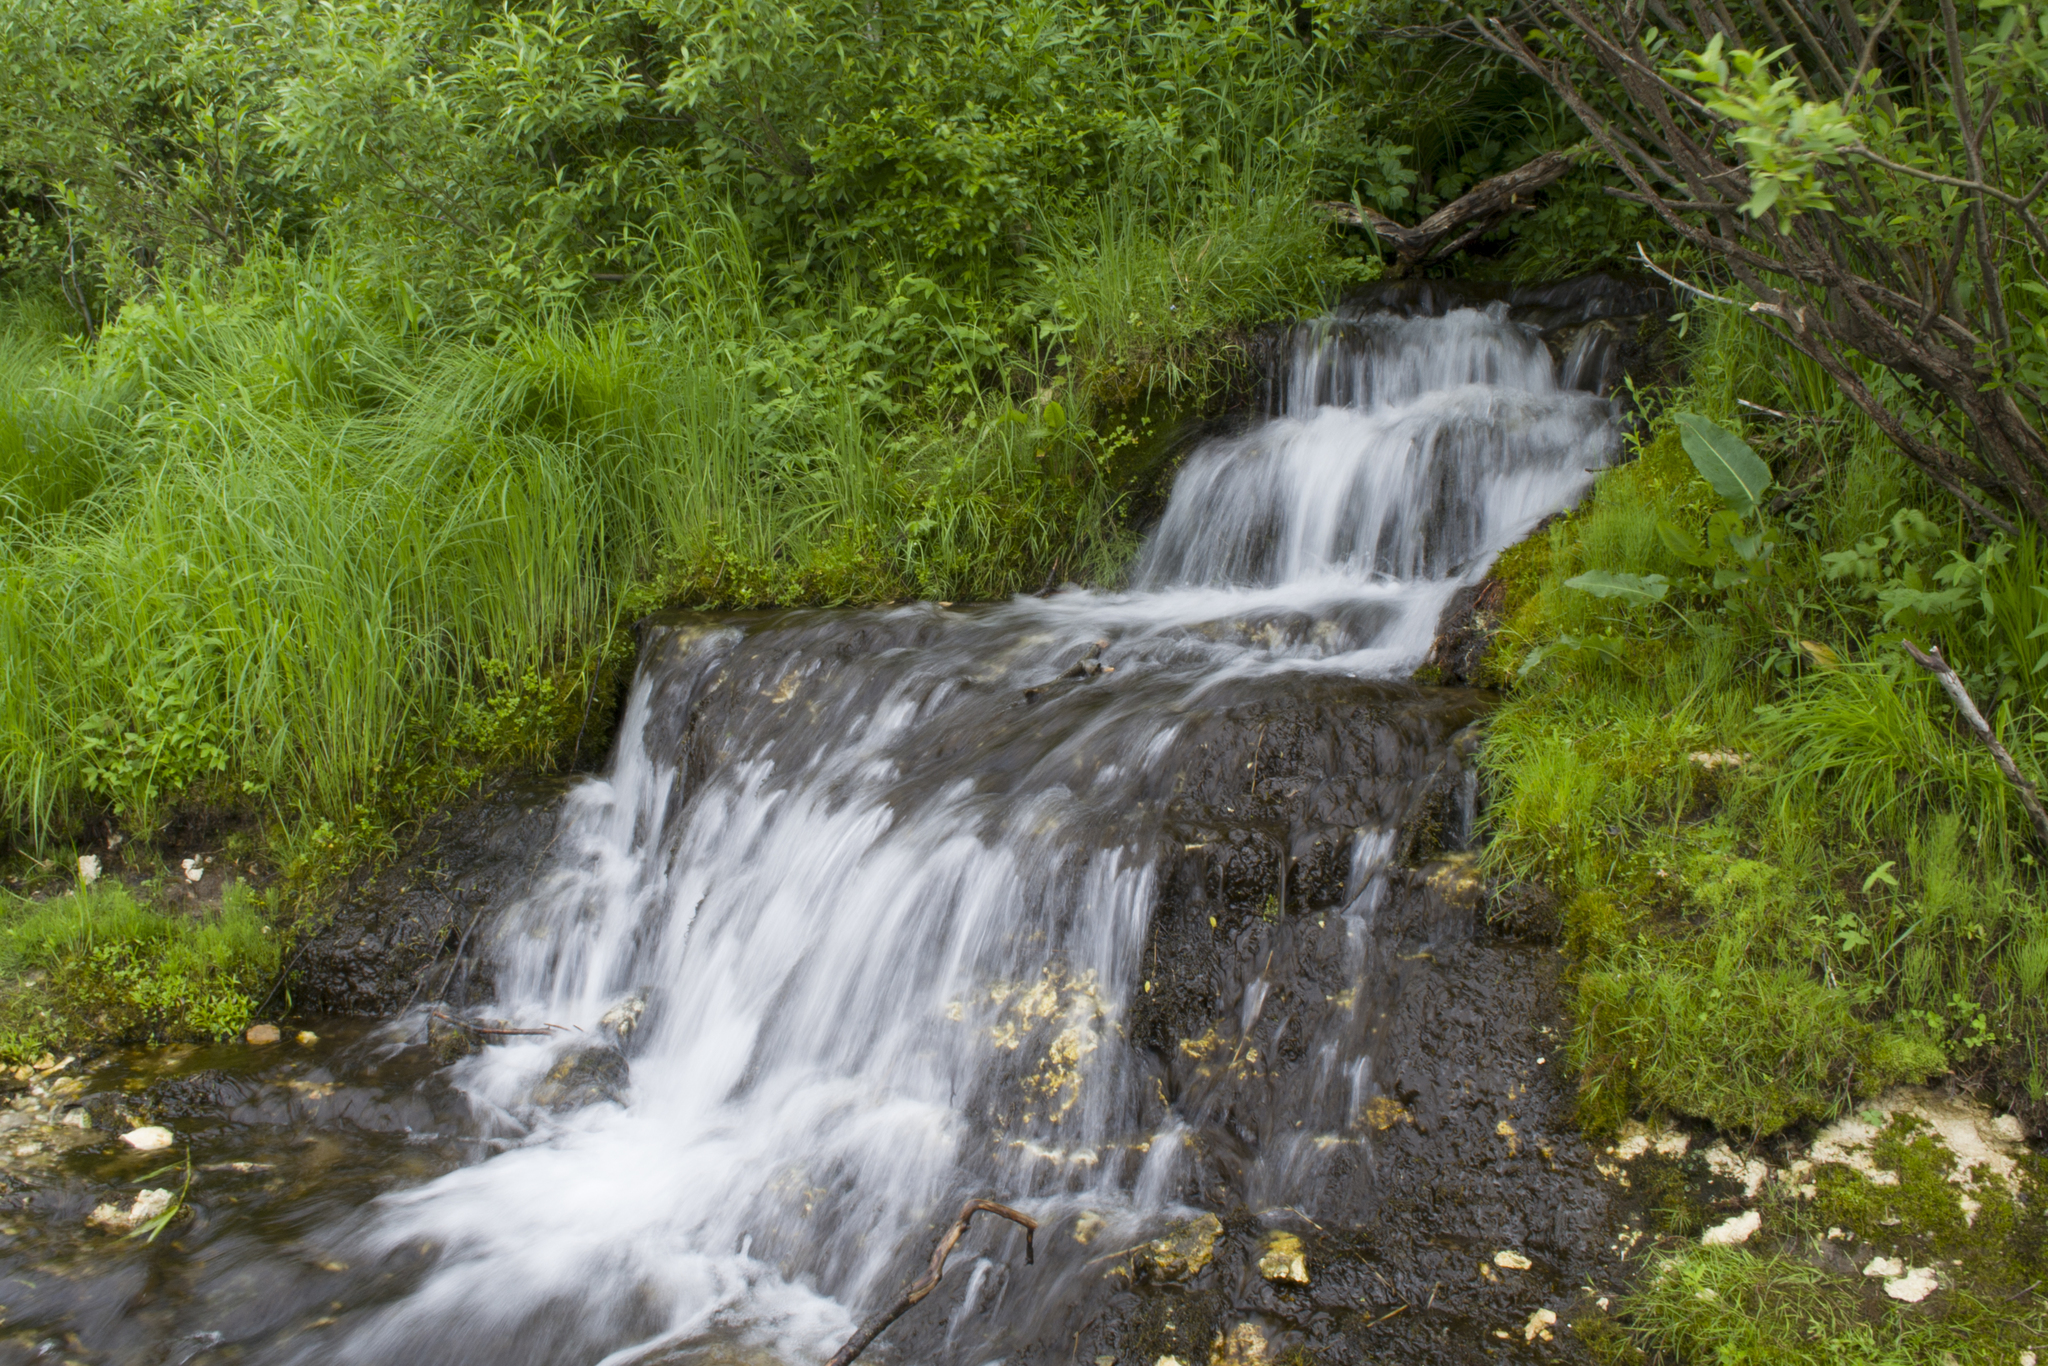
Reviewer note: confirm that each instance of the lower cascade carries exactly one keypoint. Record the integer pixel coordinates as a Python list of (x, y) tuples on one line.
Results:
[(867, 901), (1138, 911)]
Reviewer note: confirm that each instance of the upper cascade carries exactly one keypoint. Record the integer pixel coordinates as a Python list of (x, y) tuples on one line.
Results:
[(1405, 448)]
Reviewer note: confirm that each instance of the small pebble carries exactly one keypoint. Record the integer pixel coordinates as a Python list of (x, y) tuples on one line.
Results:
[(1511, 1261), (149, 1138), (307, 1038), (262, 1035)]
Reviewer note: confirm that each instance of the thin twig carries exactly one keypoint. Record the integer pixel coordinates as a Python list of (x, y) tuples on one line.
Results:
[(872, 1329), (1945, 675), (467, 1027)]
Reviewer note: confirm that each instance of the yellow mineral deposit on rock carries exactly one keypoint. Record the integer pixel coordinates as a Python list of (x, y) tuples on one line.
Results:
[(1511, 1261), (262, 1035), (1384, 1112), (1282, 1259), (1457, 880), (1244, 1345), (1185, 1251), (1539, 1325), (1507, 1131), (1087, 1226)]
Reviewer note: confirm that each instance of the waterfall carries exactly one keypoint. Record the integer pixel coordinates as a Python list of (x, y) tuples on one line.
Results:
[(875, 888)]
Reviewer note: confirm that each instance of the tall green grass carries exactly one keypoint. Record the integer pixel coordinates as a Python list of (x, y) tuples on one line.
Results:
[(269, 541)]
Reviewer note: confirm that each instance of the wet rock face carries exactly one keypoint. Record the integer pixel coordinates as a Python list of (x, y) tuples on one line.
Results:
[(1413, 1206), (416, 931), (584, 1076)]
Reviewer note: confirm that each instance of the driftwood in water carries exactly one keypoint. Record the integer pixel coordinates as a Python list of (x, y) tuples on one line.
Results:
[(872, 1329), (1483, 207), (1945, 674), (468, 1028)]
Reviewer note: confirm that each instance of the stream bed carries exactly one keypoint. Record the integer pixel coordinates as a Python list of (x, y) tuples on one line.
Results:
[(1147, 912)]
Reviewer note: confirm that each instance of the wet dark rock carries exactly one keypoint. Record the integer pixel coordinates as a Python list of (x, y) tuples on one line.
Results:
[(584, 1076), (1464, 633), (198, 1095), (415, 932)]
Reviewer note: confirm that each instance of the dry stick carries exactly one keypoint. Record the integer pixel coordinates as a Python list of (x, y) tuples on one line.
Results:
[(872, 1329), (469, 1028), (1945, 675)]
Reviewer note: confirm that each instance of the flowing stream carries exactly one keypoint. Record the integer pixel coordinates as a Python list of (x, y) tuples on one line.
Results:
[(884, 903), (864, 901)]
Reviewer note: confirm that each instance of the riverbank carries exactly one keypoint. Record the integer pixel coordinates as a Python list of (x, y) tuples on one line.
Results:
[(1787, 880)]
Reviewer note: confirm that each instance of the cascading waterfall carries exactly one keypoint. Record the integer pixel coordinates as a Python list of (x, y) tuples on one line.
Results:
[(875, 889)]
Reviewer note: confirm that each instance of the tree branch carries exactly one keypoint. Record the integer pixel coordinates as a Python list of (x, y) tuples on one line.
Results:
[(872, 1329), (1945, 675)]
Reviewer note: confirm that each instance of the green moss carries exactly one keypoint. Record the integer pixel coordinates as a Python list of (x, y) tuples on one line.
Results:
[(1922, 1217), (1729, 1305), (1749, 1047)]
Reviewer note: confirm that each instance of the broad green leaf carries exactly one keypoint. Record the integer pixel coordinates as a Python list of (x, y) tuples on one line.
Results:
[(1737, 473), (1684, 544), (1602, 583)]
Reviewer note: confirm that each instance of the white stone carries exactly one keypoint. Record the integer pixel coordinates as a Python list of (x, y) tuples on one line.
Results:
[(1539, 1325), (88, 869), (148, 1205), (1637, 1139), (1736, 1230), (149, 1138), (1885, 1266), (1511, 1261), (1913, 1287), (194, 869), (2008, 1129), (2028, 1359), (1722, 1161)]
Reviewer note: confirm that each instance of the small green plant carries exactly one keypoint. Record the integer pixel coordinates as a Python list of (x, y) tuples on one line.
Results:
[(98, 962), (159, 740)]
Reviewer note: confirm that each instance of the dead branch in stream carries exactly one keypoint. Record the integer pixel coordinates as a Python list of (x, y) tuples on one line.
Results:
[(468, 1028), (1485, 206), (872, 1329), (1945, 675)]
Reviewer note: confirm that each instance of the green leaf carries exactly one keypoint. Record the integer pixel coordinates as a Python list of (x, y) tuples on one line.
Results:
[(1602, 583), (1725, 460), (1684, 544)]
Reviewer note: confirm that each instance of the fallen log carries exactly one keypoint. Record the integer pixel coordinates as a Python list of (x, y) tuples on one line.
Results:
[(1484, 207), (872, 1329), (1945, 674)]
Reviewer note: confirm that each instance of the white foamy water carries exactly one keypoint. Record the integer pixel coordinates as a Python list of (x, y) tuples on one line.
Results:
[(887, 912)]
